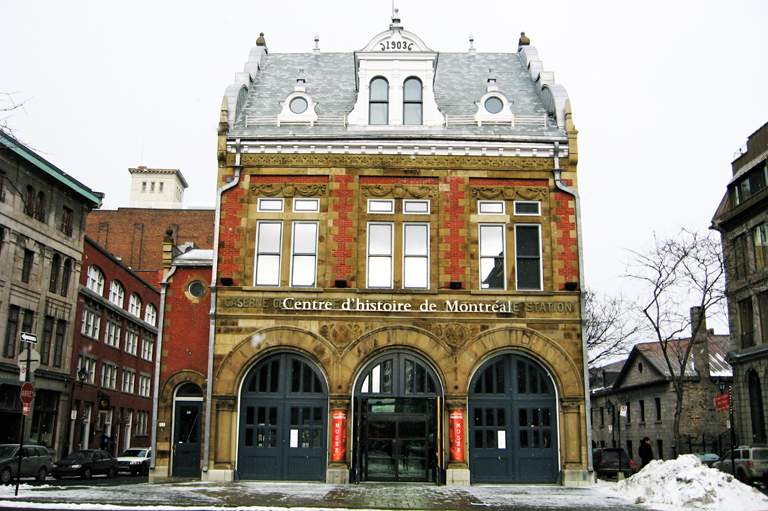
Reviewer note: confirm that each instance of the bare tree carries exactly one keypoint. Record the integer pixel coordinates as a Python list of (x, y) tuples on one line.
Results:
[(675, 274), (610, 327), (8, 104)]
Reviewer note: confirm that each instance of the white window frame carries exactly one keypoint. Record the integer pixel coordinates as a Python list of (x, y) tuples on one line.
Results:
[(295, 255), (145, 385), (300, 205), (147, 346), (95, 281), (142, 420), (375, 206), (150, 314), (117, 293), (112, 333), (108, 375), (270, 205), (90, 367), (268, 254), (413, 257), (134, 305), (91, 323), (370, 257), (487, 256), (487, 207), (131, 340), (527, 202), (407, 203), (539, 257), (129, 380)]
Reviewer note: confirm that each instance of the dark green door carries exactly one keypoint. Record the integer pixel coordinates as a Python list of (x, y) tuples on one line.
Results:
[(186, 445), (283, 421)]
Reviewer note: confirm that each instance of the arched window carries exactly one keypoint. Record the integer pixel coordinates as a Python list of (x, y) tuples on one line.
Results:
[(95, 280), (116, 293), (150, 315), (756, 408), (412, 101), (40, 207), (65, 274), (378, 108), (134, 305), (53, 286), (29, 204)]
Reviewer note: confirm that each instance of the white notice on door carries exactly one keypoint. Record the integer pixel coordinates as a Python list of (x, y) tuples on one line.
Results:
[(294, 438), (502, 439)]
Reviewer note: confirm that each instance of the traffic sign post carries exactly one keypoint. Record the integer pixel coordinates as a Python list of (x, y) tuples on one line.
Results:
[(27, 395)]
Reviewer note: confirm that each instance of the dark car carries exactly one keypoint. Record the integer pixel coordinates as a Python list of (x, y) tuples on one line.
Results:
[(85, 463), (707, 458), (606, 462), (36, 462)]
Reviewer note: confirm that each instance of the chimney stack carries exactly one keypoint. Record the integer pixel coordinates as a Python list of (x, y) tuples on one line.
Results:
[(699, 334)]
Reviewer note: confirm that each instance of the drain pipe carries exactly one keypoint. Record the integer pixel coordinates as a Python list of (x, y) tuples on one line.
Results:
[(158, 356), (212, 328), (582, 297)]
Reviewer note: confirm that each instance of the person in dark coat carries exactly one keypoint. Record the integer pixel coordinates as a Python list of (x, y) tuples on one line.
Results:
[(645, 452)]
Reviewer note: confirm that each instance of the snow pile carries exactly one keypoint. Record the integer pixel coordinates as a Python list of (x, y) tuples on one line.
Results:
[(686, 482)]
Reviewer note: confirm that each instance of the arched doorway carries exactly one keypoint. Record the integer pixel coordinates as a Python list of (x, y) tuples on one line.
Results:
[(397, 406), (512, 422), (187, 420), (756, 408), (283, 421)]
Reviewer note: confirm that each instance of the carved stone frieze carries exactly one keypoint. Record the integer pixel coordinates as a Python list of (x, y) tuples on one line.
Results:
[(509, 192), (340, 404), (399, 191), (341, 334), (288, 190), (225, 403)]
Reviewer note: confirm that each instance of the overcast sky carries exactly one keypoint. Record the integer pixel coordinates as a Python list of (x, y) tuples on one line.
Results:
[(663, 93)]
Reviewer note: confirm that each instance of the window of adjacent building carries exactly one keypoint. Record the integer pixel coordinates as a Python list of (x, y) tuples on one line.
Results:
[(66, 221), (129, 380), (143, 186), (58, 342), (416, 256), (152, 187), (89, 364), (378, 103), (29, 203), (746, 323), (40, 207), (380, 254), (108, 375), (527, 208), (65, 275), (412, 101), (53, 284), (26, 268), (381, 206), (112, 333), (528, 257), (148, 346), (657, 402), (95, 280), (142, 419), (304, 254), (491, 207), (269, 240), (161, 186), (134, 305), (196, 289), (131, 340), (47, 340), (11, 331), (91, 323), (602, 416), (145, 382), (751, 184), (629, 412), (492, 260), (270, 205), (660, 448), (150, 314), (740, 256), (760, 243), (642, 411), (416, 207), (762, 305), (306, 205), (117, 293)]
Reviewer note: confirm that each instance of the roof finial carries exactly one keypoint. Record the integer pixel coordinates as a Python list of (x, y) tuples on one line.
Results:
[(316, 51), (524, 41), (472, 50), (395, 18), (260, 41)]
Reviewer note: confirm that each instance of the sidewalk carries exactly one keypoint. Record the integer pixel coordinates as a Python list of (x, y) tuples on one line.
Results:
[(310, 496)]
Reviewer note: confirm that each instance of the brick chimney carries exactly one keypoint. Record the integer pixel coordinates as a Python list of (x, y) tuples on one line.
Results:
[(700, 337)]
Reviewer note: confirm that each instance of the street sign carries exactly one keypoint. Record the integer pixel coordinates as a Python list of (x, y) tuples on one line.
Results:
[(623, 411), (27, 393), (25, 409), (722, 402), (22, 372), (32, 338)]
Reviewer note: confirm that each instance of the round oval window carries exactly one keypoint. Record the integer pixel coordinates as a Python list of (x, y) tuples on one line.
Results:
[(493, 105), (298, 105), (197, 289)]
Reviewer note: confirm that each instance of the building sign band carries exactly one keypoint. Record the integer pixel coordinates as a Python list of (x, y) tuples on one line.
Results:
[(339, 451), (457, 435)]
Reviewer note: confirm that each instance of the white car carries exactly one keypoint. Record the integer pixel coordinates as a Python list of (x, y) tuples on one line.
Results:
[(135, 460)]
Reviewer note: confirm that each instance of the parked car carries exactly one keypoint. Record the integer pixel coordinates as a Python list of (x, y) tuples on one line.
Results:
[(707, 458), (606, 462), (85, 463), (136, 461), (35, 462), (751, 464)]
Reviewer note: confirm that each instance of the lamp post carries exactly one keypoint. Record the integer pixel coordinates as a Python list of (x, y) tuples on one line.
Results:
[(82, 376), (721, 386)]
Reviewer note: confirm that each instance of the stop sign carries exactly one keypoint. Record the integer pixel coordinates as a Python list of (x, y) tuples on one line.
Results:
[(27, 393)]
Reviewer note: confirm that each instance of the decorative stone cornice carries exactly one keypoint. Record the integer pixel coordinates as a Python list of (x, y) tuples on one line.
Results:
[(509, 192), (288, 190), (399, 191)]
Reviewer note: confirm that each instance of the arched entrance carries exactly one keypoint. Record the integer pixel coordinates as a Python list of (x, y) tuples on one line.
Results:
[(397, 407), (283, 421), (512, 422), (187, 419)]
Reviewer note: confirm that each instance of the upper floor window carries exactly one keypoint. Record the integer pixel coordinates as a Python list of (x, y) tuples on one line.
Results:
[(95, 280), (65, 275), (380, 254), (527, 208), (89, 364), (116, 293), (134, 305), (740, 256), (269, 240), (26, 268), (754, 181), (491, 207), (492, 260), (304, 254), (306, 205), (412, 101), (29, 203), (746, 320), (150, 315), (270, 205), (416, 256), (66, 221), (40, 207), (528, 257), (53, 285), (381, 206), (760, 240), (378, 104)]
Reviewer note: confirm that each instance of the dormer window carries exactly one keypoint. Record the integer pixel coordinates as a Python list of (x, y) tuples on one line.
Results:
[(298, 105), (412, 101), (494, 105), (379, 101)]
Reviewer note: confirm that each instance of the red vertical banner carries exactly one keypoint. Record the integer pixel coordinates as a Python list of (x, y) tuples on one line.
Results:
[(457, 435), (339, 451)]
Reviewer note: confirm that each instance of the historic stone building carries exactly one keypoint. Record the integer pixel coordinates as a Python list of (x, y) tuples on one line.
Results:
[(396, 275), (742, 220)]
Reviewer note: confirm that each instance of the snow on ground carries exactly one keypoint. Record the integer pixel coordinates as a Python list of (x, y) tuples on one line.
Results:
[(687, 483)]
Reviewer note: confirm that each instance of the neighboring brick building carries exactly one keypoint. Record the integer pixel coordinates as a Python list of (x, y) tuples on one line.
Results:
[(42, 219), (742, 220), (643, 384), (115, 346), (135, 235), (396, 272)]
